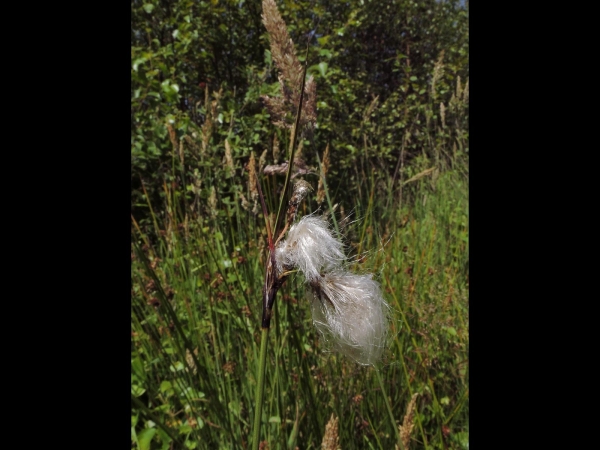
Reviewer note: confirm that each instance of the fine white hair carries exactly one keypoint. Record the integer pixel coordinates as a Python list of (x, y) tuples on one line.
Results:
[(311, 248), (348, 310), (351, 314)]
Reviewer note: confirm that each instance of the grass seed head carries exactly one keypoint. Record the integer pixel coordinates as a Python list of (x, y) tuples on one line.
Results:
[(408, 422), (331, 439), (252, 177), (276, 152), (324, 169), (284, 55)]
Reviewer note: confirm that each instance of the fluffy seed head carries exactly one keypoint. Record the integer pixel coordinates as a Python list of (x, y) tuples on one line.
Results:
[(351, 314), (348, 310), (311, 248)]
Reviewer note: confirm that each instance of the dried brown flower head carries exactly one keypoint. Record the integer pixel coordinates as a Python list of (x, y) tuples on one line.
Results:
[(229, 159), (408, 422), (324, 169), (282, 109), (331, 440), (276, 151)]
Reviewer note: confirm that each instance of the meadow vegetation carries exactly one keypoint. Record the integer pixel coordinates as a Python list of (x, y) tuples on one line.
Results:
[(388, 162)]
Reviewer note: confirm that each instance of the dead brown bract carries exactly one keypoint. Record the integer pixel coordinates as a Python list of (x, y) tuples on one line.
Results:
[(301, 189), (300, 168)]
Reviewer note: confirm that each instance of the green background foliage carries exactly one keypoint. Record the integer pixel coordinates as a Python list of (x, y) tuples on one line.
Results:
[(185, 52), (392, 93)]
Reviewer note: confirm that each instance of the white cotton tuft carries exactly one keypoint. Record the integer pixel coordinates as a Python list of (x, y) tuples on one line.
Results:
[(348, 310), (311, 248), (351, 315)]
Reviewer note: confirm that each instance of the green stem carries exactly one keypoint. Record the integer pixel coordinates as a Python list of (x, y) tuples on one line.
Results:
[(335, 224), (293, 138), (389, 408), (260, 389)]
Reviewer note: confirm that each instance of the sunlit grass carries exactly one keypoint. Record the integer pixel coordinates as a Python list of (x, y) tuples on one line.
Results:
[(196, 306)]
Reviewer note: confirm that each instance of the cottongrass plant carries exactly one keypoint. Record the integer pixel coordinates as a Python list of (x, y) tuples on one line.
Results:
[(348, 309)]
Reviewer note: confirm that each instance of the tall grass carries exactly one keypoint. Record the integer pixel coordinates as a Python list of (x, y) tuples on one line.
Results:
[(195, 331), (197, 280)]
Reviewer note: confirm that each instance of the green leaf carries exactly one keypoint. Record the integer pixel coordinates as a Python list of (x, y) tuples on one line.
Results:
[(326, 53), (144, 438), (323, 68), (222, 311), (164, 438), (274, 419), (148, 7), (235, 408), (137, 367), (137, 390), (185, 428), (177, 367), (137, 62), (165, 386), (413, 78), (323, 40)]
